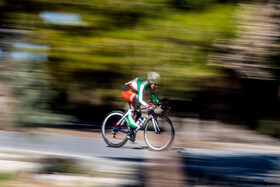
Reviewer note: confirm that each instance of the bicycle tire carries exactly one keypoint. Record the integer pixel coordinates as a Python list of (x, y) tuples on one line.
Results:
[(118, 139), (159, 141)]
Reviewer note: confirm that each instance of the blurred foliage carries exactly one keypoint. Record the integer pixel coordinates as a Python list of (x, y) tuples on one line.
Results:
[(62, 165), (89, 56), (269, 127), (6, 176)]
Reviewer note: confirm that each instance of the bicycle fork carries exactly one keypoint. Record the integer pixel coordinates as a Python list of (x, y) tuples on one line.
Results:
[(156, 126)]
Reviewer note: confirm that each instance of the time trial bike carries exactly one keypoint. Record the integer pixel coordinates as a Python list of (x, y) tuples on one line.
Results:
[(158, 128)]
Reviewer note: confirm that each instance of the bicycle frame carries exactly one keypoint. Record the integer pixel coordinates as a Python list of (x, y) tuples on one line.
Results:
[(130, 110)]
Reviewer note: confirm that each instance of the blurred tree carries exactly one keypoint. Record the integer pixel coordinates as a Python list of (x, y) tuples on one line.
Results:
[(254, 57), (83, 51)]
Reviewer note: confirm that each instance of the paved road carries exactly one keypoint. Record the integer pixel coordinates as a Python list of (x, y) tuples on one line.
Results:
[(200, 166), (72, 146)]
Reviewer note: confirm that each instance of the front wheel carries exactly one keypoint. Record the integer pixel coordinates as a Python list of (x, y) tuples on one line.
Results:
[(159, 138), (114, 136)]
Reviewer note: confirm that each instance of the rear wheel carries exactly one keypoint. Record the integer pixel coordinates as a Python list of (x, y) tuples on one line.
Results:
[(163, 138), (114, 136)]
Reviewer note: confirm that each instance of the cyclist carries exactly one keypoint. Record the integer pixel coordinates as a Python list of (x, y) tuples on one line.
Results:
[(133, 92)]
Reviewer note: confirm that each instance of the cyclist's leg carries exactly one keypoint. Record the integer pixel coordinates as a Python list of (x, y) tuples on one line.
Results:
[(137, 111), (129, 95)]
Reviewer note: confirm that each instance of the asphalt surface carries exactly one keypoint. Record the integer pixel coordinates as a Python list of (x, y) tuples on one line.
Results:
[(238, 167), (69, 145)]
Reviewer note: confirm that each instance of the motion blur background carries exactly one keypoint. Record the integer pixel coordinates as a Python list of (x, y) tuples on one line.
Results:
[(64, 62)]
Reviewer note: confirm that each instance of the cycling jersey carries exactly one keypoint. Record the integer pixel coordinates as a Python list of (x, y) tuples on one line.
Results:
[(138, 86)]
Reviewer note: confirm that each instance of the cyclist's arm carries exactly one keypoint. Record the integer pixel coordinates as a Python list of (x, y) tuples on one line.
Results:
[(154, 97), (141, 93)]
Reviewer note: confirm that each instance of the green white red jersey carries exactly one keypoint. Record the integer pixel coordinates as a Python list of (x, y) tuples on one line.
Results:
[(139, 85)]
